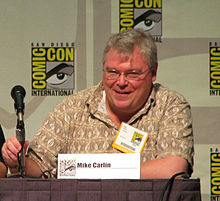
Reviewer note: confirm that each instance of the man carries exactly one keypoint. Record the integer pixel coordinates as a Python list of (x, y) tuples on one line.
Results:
[(87, 122)]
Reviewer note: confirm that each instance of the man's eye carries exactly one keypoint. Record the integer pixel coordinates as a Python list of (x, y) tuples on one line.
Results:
[(112, 72), (132, 74)]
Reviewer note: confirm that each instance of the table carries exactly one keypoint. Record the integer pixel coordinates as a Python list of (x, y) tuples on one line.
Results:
[(31, 189)]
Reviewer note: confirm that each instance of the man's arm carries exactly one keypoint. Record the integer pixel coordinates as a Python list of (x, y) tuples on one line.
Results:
[(174, 140), (164, 167), (3, 170), (10, 150)]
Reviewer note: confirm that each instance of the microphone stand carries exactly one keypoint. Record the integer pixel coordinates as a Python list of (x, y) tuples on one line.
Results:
[(18, 93), (20, 134)]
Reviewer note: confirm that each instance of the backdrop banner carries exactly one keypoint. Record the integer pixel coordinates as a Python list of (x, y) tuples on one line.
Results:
[(42, 41)]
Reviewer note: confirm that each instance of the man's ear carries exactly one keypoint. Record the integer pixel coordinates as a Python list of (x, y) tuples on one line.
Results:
[(154, 72)]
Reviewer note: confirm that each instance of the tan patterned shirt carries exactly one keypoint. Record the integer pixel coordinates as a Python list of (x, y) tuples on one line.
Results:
[(80, 124)]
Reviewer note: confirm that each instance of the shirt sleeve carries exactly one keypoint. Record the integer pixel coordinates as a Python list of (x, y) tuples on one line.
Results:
[(175, 131), (50, 140)]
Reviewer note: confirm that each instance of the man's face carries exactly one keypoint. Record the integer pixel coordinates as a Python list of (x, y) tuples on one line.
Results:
[(123, 95)]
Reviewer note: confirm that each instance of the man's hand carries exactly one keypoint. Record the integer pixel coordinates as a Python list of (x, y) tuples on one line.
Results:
[(10, 151)]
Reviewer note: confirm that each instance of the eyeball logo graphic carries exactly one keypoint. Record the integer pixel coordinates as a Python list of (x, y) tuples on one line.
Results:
[(59, 76), (148, 20)]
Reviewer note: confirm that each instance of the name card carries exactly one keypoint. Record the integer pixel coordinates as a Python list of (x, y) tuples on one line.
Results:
[(99, 166)]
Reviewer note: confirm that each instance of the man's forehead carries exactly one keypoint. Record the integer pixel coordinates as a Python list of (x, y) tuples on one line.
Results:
[(119, 55), (125, 54), (116, 59)]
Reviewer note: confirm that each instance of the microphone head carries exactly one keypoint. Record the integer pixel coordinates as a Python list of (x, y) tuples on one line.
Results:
[(18, 93), (18, 90)]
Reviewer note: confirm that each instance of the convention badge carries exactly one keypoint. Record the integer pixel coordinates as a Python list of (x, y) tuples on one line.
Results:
[(130, 139)]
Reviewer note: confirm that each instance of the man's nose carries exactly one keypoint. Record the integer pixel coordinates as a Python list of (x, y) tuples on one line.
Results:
[(122, 79)]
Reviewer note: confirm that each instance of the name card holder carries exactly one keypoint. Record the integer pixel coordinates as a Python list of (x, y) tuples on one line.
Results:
[(99, 166)]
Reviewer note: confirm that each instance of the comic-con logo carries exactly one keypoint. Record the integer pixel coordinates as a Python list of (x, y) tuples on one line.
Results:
[(67, 167), (214, 68), (52, 71), (142, 14), (215, 173)]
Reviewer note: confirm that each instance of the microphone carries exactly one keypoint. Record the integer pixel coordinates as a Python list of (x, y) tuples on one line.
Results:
[(18, 93)]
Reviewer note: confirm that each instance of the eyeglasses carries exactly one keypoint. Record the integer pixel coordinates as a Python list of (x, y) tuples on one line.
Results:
[(133, 75)]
